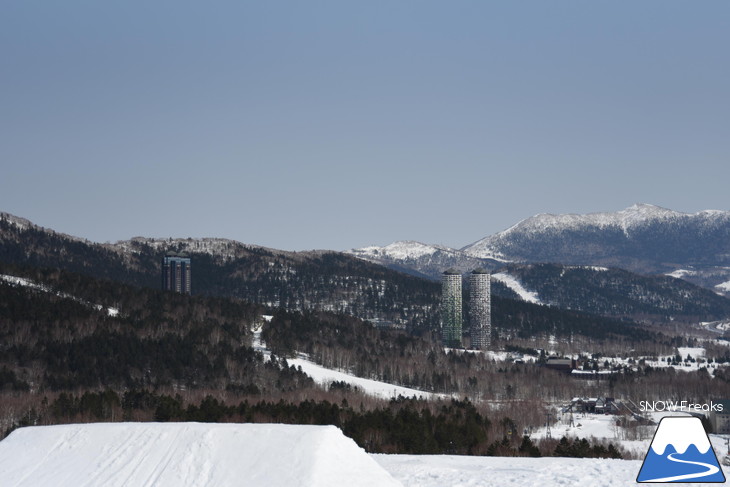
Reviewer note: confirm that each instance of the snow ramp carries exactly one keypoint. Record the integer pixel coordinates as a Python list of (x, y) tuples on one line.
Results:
[(186, 455)]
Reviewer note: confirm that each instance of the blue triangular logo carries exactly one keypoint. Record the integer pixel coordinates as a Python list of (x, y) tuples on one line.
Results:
[(680, 452)]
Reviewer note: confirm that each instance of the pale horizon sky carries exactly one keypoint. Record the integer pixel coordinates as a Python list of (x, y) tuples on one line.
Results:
[(336, 124)]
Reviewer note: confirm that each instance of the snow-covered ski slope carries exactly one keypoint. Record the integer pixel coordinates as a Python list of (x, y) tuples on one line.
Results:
[(515, 285), (324, 376), (21, 281), (186, 455)]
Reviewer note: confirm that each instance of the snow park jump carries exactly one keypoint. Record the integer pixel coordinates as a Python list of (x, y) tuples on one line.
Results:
[(186, 455)]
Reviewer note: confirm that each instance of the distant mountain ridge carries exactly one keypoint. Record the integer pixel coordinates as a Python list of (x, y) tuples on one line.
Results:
[(641, 232), (643, 238), (422, 259), (333, 281), (315, 281), (322, 280)]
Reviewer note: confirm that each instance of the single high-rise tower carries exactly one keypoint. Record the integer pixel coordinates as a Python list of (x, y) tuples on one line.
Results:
[(176, 273), (480, 308), (451, 308)]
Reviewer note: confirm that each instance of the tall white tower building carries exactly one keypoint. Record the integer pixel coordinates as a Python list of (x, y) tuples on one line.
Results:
[(480, 307), (451, 308)]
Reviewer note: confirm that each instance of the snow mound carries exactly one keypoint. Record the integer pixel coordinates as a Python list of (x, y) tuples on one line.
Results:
[(186, 454)]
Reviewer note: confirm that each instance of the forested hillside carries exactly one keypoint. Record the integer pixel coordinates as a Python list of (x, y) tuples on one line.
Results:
[(149, 339), (337, 282), (320, 280), (619, 293), (76, 348)]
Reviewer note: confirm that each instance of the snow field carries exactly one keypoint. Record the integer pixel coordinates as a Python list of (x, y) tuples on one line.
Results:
[(603, 427), (451, 470), (447, 470), (694, 352)]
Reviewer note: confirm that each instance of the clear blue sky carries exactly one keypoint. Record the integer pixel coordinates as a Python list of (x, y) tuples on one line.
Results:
[(339, 124)]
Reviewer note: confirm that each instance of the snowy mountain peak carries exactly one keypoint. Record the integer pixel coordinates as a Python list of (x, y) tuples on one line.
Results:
[(642, 212), (633, 215), (420, 258), (646, 208), (627, 221), (21, 223), (402, 250)]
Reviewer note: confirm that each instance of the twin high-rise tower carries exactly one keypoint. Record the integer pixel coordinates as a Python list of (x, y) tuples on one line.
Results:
[(480, 308)]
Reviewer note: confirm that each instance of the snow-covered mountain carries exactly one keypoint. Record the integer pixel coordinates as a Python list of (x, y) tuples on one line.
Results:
[(404, 250), (643, 238), (422, 259), (567, 237)]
